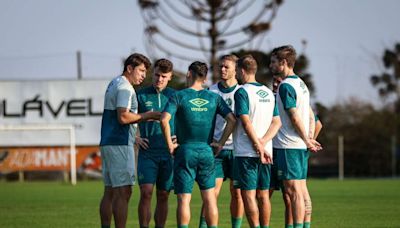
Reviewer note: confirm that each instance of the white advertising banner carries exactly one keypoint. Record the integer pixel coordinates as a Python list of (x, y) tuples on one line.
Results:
[(70, 102)]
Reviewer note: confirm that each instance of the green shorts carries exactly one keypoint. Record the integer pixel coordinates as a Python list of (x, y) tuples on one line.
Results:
[(224, 164), (251, 174), (155, 168), (292, 164), (118, 165), (275, 184), (193, 162)]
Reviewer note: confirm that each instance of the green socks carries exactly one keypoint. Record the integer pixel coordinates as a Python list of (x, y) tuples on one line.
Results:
[(307, 224), (288, 225), (105, 226), (236, 222), (183, 226), (264, 226), (298, 225), (202, 222)]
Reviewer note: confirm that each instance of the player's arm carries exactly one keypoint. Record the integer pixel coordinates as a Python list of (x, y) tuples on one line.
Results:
[(318, 127), (249, 129), (288, 97), (127, 117), (166, 130), (311, 131), (170, 109), (297, 123), (229, 127), (273, 127)]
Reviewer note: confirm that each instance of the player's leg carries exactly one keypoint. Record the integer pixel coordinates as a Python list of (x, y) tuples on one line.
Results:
[(288, 210), (120, 205), (307, 204), (161, 212), (144, 208), (294, 190), (184, 176), (219, 173), (106, 201), (164, 185), (147, 175), (247, 177), (263, 186), (205, 177), (306, 194), (183, 209), (106, 207), (210, 207), (236, 205), (264, 207)]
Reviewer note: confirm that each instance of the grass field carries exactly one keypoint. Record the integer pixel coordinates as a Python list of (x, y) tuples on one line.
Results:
[(349, 203)]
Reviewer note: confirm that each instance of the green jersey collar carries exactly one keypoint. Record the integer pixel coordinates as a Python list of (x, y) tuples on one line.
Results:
[(224, 89)]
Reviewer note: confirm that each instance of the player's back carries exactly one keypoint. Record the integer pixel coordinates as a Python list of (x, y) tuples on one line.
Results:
[(196, 113)]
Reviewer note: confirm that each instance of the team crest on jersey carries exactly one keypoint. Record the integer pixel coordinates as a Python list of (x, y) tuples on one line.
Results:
[(263, 94), (229, 101), (148, 104), (199, 103)]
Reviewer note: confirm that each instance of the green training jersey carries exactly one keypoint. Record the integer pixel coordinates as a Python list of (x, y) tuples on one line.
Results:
[(151, 100), (195, 113)]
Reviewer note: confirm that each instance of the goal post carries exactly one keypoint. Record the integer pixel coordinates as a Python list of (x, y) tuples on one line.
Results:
[(52, 127)]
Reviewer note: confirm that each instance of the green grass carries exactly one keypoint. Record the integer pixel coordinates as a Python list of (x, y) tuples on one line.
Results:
[(350, 203)]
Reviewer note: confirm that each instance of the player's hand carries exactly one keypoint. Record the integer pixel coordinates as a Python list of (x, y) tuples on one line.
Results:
[(174, 139), (266, 158), (142, 143), (313, 145), (172, 147), (258, 147), (217, 147)]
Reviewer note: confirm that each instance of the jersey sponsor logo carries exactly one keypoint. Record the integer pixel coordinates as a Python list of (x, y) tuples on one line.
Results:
[(199, 103), (148, 104), (229, 102), (263, 94)]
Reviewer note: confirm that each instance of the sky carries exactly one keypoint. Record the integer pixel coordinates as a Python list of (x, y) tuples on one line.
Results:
[(345, 40)]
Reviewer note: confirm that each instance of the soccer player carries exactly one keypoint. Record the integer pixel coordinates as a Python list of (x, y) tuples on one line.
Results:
[(258, 123), (195, 110), (226, 88), (276, 184), (118, 131), (155, 164), (293, 139)]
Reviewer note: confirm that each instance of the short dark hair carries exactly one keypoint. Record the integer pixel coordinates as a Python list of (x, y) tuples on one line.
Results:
[(285, 52), (230, 57), (198, 70), (164, 65), (248, 64), (135, 60)]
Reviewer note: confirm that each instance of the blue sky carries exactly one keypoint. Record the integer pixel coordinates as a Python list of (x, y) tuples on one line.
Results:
[(346, 39)]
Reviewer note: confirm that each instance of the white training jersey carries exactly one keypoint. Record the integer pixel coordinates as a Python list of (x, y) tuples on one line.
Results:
[(258, 102), (119, 94), (292, 93), (227, 95)]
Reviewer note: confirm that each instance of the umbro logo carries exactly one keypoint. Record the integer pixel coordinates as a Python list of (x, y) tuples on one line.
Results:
[(262, 93), (148, 103), (198, 102)]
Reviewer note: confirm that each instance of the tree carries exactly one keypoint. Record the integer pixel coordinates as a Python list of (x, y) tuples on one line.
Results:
[(388, 82), (264, 75), (181, 28)]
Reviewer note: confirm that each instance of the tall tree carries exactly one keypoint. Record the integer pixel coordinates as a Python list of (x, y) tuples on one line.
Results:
[(388, 82), (264, 75), (181, 29)]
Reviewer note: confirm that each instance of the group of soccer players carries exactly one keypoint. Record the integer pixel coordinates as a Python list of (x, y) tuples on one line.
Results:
[(237, 129)]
